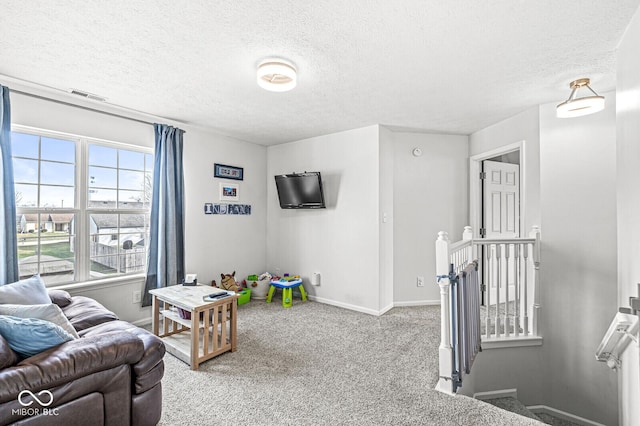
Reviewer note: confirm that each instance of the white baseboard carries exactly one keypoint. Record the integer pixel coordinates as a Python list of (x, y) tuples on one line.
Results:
[(142, 322), (562, 415), (417, 303), (345, 305), (386, 309), (373, 311), (502, 393)]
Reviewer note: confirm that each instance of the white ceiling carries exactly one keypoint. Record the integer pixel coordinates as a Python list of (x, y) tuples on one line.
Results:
[(440, 66)]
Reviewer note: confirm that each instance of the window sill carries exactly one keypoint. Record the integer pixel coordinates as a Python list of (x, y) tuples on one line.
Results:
[(102, 283)]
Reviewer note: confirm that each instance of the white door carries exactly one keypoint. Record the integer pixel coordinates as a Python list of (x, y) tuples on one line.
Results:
[(501, 217)]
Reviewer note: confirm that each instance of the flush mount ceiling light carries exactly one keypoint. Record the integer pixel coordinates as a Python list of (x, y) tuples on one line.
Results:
[(276, 75), (576, 107)]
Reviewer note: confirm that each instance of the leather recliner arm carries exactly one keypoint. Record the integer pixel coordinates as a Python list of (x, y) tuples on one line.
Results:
[(149, 370), (70, 361)]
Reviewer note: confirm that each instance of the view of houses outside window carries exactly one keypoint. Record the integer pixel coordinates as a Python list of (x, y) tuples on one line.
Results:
[(82, 207)]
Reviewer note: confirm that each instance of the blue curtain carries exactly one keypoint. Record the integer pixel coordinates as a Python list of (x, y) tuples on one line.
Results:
[(165, 264), (8, 240)]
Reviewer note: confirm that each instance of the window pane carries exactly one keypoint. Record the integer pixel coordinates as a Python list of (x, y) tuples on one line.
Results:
[(133, 223), (131, 199), (104, 266), (44, 247), (58, 150), (148, 162), (103, 156), (25, 170), (118, 243), (56, 196), (105, 198), (23, 145), (148, 189), (57, 173), (131, 180), (26, 195), (131, 160), (103, 177)]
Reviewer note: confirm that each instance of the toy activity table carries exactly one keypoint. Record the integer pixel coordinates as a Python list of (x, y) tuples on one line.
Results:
[(287, 294)]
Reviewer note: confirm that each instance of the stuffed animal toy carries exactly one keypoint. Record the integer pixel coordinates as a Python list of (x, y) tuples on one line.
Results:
[(228, 282)]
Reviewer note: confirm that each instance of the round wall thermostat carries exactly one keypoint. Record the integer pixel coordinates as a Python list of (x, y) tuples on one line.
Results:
[(417, 152)]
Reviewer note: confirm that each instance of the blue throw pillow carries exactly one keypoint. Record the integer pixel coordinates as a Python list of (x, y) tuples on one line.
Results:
[(30, 336)]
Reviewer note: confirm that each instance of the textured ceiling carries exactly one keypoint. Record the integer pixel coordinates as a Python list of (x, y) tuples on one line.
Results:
[(429, 65)]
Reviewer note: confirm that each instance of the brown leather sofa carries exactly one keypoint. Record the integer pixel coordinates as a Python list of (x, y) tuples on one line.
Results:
[(111, 375)]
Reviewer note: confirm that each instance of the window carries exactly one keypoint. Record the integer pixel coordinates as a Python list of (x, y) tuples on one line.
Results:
[(82, 207)]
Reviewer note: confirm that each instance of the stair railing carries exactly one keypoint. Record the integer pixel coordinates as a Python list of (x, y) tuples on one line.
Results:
[(509, 274)]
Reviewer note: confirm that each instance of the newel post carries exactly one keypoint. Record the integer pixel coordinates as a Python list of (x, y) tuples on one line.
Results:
[(445, 384), (535, 233)]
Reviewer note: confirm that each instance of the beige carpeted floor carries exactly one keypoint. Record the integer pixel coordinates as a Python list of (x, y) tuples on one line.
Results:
[(315, 364)]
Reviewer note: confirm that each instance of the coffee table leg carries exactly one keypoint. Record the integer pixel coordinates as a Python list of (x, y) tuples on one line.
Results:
[(155, 318), (195, 339), (232, 325)]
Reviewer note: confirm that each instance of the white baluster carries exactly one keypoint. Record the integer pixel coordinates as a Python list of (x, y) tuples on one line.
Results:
[(488, 291), (467, 235), (517, 265), (507, 249), (525, 252), (535, 233), (498, 275)]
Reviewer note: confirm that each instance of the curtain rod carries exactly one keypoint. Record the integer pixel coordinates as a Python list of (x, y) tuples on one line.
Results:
[(79, 106)]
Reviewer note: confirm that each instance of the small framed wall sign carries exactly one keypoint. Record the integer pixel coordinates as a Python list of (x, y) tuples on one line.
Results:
[(228, 172), (229, 192), (227, 209)]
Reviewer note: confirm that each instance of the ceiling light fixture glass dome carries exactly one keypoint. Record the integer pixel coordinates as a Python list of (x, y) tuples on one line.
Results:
[(576, 107), (276, 75)]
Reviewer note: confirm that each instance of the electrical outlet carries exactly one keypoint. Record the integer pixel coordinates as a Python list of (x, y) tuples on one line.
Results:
[(136, 296), (420, 281)]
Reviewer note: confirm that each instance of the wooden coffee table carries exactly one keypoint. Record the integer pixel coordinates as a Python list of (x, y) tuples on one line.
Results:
[(210, 330)]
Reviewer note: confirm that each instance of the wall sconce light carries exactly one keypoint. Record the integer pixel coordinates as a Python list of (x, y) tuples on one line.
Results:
[(576, 107)]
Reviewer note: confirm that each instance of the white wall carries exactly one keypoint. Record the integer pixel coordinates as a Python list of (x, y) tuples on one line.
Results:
[(578, 258), (628, 154), (522, 127), (221, 244), (430, 195), (386, 219), (342, 241), (214, 244)]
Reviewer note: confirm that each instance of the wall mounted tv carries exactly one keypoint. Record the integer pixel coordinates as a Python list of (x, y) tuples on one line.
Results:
[(300, 191)]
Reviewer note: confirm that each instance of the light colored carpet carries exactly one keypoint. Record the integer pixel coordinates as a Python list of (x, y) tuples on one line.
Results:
[(555, 421), (315, 364), (513, 405)]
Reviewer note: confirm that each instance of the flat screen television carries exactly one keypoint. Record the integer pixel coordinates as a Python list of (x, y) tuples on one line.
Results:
[(300, 191)]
